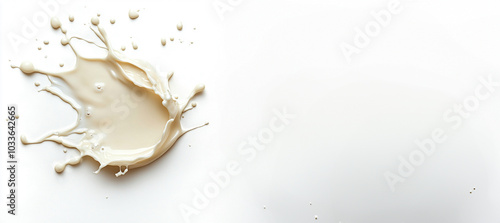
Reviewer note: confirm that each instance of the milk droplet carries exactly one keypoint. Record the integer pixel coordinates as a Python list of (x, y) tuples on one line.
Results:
[(194, 104), (163, 41), (55, 23), (112, 21), (134, 45), (61, 64), (71, 18), (59, 167), (123, 48), (94, 21), (46, 42), (27, 67), (65, 150), (315, 217), (37, 83), (179, 26), (39, 48), (199, 88), (98, 14), (171, 38), (63, 30), (133, 14), (23, 139), (64, 41)]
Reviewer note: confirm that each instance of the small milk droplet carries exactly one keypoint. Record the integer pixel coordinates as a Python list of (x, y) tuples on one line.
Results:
[(94, 21), (37, 84), (61, 65), (171, 38), (55, 23), (315, 217), (179, 26), (46, 42), (71, 18), (163, 41), (27, 67), (64, 41), (134, 45), (133, 14), (112, 21), (123, 48)]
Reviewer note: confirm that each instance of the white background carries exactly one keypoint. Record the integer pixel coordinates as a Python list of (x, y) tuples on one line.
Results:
[(353, 119)]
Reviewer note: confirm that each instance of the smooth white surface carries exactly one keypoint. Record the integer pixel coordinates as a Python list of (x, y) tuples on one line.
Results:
[(353, 120)]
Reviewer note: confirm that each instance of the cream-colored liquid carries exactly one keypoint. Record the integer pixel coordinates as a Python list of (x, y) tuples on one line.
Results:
[(95, 20), (126, 113), (133, 14), (64, 41), (55, 23)]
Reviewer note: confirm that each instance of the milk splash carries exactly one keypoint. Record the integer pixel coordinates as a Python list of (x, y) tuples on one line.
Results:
[(124, 138)]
